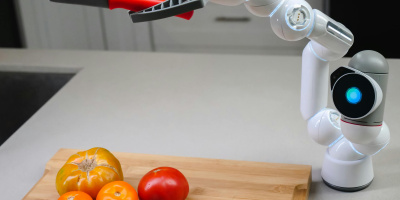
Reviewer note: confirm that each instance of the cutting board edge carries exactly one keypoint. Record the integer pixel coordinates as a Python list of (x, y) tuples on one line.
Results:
[(307, 167)]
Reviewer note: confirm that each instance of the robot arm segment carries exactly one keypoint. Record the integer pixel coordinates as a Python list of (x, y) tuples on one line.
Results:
[(377, 144), (345, 150), (324, 127), (314, 83), (331, 34), (323, 124), (330, 41)]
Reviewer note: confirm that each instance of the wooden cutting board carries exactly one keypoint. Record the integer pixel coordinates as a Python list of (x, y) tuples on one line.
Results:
[(209, 179)]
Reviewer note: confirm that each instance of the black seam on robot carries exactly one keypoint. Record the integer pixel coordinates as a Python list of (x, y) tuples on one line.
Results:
[(339, 72)]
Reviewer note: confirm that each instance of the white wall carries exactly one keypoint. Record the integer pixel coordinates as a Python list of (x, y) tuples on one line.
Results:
[(61, 26)]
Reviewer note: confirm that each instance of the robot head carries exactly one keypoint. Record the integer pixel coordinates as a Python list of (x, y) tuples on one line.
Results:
[(358, 92)]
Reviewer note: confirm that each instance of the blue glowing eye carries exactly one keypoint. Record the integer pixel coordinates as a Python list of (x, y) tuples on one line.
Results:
[(353, 95)]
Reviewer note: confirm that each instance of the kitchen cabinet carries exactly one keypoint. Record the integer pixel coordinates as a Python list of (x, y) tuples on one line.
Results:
[(214, 29), (48, 25)]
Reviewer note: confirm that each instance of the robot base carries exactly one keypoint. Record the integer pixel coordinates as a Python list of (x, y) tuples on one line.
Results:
[(346, 189), (347, 176)]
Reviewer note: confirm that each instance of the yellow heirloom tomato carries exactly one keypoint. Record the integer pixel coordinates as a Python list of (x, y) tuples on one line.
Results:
[(88, 171)]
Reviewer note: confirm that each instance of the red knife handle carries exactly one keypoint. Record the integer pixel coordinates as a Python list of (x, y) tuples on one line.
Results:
[(138, 5), (133, 5)]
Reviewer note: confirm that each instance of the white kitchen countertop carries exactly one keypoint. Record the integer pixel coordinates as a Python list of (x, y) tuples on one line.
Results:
[(212, 106)]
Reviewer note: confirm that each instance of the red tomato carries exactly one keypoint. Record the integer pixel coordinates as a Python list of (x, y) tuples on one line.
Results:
[(163, 183)]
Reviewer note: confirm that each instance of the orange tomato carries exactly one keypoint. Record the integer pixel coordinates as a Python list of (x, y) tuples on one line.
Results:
[(117, 190), (88, 171), (75, 195)]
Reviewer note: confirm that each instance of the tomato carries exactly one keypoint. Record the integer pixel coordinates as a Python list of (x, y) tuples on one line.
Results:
[(75, 195), (163, 183), (117, 190), (88, 171)]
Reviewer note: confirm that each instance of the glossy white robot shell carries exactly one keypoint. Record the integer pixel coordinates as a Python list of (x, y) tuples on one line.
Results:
[(324, 127), (293, 20), (377, 144), (359, 134)]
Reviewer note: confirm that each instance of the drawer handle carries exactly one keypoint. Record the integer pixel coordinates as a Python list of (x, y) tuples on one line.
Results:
[(232, 19)]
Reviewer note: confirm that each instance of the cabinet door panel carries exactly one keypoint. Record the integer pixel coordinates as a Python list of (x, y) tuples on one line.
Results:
[(122, 34), (60, 26)]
